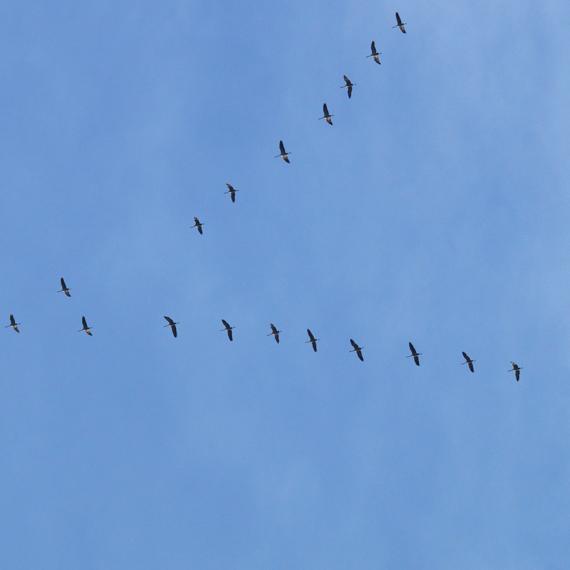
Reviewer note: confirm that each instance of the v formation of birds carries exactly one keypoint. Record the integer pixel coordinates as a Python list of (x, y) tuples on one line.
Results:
[(232, 191)]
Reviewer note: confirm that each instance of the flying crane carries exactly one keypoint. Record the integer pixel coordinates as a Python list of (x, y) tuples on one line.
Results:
[(399, 24), (228, 329), (197, 224), (517, 370), (283, 154), (415, 354), (357, 349), (13, 324), (231, 191), (349, 85), (468, 361), (64, 289), (313, 340), (172, 324), (374, 54), (85, 327), (275, 333), (326, 115)]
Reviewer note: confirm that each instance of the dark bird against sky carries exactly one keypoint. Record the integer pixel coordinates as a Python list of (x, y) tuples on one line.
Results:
[(374, 54), (313, 340), (85, 327), (326, 115), (172, 324), (13, 324), (283, 154), (399, 24), (231, 191), (357, 349), (228, 329), (198, 225), (468, 361), (349, 85), (414, 354), (275, 333), (517, 370), (64, 289)]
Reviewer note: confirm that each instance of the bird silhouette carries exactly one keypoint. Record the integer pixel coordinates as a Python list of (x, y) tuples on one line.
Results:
[(275, 333), (172, 324), (374, 54), (326, 115), (349, 85), (313, 340), (414, 354), (283, 154), (85, 327), (228, 329), (64, 289), (468, 361), (399, 24), (13, 324), (357, 349)]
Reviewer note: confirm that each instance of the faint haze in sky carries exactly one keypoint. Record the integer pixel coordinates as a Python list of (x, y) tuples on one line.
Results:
[(434, 211)]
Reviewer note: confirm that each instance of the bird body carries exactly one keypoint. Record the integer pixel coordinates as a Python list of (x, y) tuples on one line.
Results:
[(228, 329), (283, 154), (275, 332), (414, 354), (64, 289), (357, 349), (231, 191), (399, 24), (197, 224), (326, 115), (374, 54), (13, 324), (85, 327), (349, 84), (313, 340), (172, 324), (468, 361), (517, 370)]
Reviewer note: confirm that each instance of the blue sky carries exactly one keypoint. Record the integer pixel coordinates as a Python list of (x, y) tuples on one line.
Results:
[(434, 210)]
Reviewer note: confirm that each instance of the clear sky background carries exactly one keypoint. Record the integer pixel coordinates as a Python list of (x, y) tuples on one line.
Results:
[(435, 210)]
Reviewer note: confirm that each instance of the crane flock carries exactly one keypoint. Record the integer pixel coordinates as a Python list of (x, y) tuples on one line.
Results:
[(274, 332)]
